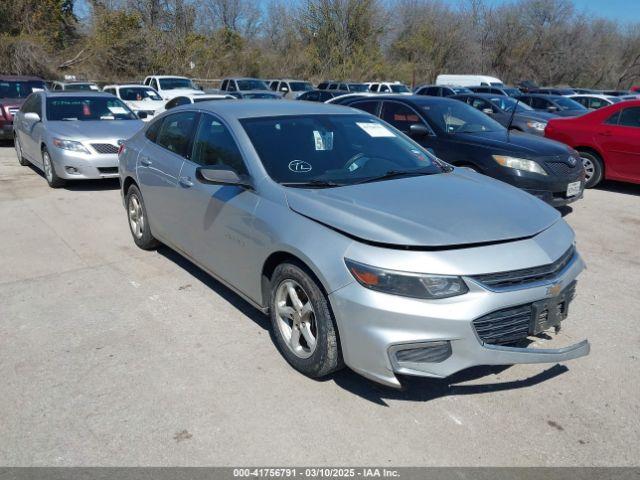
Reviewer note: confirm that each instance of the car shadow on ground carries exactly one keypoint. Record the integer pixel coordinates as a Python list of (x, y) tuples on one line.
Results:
[(84, 185), (620, 187), (414, 388)]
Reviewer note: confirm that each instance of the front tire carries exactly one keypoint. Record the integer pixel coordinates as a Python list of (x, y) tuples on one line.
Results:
[(302, 321), (593, 168), (50, 174), (21, 160), (138, 220)]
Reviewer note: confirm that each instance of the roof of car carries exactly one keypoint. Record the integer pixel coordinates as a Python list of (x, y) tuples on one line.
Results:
[(126, 85), (167, 76), (595, 95), (543, 95), (16, 78), (268, 108)]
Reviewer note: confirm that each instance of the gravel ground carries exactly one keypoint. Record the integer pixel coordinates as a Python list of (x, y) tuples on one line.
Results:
[(114, 356)]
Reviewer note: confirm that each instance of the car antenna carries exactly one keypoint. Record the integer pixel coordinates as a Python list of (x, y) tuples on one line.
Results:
[(513, 112)]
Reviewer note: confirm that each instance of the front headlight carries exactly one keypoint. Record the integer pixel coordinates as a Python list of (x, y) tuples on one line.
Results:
[(70, 145), (539, 126), (416, 285), (519, 164)]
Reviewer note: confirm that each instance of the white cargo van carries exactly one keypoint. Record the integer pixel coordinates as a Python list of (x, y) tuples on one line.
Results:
[(468, 80)]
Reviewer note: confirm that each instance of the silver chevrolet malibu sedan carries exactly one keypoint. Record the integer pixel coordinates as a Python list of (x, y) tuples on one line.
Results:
[(73, 135), (362, 247)]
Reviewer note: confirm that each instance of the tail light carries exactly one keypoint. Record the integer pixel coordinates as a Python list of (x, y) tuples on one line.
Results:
[(3, 112)]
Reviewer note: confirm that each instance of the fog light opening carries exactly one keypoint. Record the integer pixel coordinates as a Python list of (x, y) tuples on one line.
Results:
[(426, 352), (72, 170)]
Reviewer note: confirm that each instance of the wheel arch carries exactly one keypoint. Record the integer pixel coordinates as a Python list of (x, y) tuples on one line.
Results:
[(128, 182), (593, 151), (281, 256)]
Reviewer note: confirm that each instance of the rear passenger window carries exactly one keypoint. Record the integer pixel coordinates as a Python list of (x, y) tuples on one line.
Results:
[(214, 145), (630, 117), (613, 119), (175, 132)]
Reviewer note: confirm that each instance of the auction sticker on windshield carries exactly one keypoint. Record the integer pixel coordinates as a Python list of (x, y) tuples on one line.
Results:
[(375, 129)]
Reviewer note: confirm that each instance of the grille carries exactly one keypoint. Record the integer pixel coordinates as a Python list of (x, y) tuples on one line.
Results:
[(105, 148), (526, 275), (504, 326), (561, 168), (108, 170)]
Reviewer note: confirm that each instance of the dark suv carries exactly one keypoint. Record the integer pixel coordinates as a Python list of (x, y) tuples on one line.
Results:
[(14, 90)]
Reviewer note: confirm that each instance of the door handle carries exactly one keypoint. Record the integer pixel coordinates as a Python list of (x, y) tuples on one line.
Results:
[(145, 161), (185, 181)]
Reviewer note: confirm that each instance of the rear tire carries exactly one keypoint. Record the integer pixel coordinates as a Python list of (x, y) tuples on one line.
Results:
[(138, 220), (593, 167), (303, 324), (21, 160), (50, 174)]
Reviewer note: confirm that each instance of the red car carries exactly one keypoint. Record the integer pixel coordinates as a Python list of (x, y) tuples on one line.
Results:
[(14, 90), (608, 140)]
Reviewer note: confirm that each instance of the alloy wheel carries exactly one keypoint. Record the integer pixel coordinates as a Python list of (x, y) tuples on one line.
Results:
[(296, 318), (136, 216), (48, 169), (589, 168)]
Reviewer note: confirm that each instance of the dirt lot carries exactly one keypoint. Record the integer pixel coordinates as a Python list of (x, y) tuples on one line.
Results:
[(114, 356)]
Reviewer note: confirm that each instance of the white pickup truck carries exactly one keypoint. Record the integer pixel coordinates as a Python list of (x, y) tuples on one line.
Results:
[(170, 86)]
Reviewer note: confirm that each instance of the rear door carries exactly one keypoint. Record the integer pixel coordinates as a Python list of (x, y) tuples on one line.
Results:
[(621, 142), (158, 170)]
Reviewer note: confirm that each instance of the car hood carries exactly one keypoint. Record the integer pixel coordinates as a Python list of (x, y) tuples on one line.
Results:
[(433, 211), (154, 105), (528, 146), (87, 130), (176, 92)]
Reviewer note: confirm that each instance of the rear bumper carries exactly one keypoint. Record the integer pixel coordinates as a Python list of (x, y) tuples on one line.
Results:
[(78, 166)]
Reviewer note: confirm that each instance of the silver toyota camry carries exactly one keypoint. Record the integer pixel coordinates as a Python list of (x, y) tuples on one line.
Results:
[(362, 247), (73, 135)]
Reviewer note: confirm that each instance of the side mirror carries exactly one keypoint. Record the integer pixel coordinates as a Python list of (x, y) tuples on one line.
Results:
[(221, 175), (418, 130), (32, 117), (142, 115), (488, 111)]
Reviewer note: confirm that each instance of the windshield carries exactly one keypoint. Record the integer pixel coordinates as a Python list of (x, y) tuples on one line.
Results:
[(300, 86), (358, 87), (333, 149), (87, 108), (136, 94), (457, 117), (399, 88), (252, 84), (568, 104), (18, 89), (176, 82), (507, 104)]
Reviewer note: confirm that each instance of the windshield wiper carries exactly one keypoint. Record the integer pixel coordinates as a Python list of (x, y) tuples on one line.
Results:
[(394, 174), (314, 184)]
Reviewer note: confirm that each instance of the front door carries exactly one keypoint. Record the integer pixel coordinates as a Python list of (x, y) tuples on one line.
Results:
[(217, 221)]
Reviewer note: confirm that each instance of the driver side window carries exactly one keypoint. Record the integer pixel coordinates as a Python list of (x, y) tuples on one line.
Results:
[(400, 116), (214, 145)]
